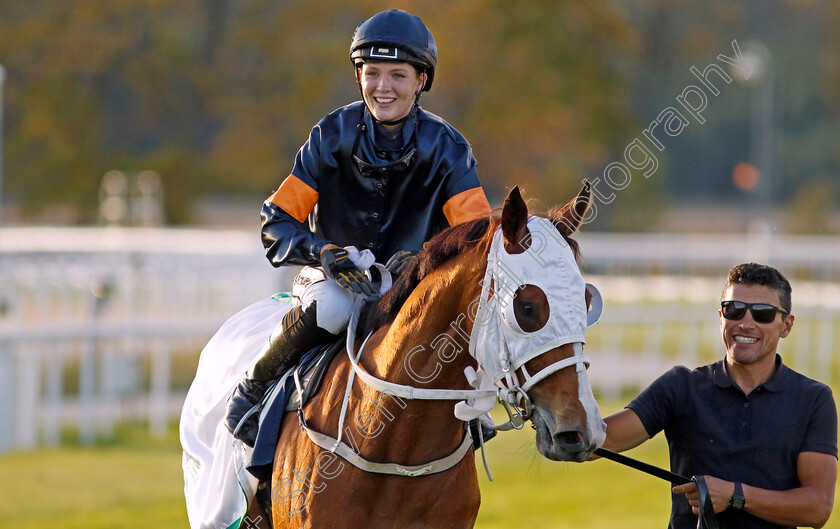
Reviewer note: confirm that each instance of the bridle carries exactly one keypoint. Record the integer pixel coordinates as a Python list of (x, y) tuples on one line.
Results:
[(474, 403), (515, 401)]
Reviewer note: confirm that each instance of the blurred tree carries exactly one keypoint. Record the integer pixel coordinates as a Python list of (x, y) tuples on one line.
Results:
[(218, 95), (536, 87), (282, 66), (537, 100), (93, 85), (831, 83), (812, 208), (798, 33)]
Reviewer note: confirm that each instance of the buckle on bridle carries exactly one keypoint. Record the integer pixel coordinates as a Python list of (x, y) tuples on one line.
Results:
[(518, 406)]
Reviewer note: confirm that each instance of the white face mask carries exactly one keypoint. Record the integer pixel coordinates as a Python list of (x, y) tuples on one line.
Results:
[(596, 305), (498, 343)]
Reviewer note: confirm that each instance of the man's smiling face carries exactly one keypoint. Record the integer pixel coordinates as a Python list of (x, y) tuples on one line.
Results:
[(747, 341)]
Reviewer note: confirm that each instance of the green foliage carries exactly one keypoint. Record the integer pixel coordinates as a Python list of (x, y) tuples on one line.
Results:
[(218, 96), (812, 207)]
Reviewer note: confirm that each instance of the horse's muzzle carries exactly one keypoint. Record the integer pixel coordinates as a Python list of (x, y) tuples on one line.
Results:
[(561, 444)]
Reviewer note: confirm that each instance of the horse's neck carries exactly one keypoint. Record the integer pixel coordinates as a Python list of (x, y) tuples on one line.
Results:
[(431, 332), (427, 346)]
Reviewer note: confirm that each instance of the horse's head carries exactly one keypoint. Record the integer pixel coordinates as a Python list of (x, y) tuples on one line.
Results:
[(531, 322)]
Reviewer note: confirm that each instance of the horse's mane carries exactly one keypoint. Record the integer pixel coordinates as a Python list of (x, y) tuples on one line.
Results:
[(443, 246)]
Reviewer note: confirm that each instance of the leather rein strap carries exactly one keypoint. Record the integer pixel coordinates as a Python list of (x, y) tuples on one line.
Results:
[(707, 510), (647, 468), (707, 518)]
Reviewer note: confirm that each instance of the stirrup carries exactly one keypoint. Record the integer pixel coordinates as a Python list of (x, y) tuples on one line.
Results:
[(243, 422), (480, 433), (243, 408)]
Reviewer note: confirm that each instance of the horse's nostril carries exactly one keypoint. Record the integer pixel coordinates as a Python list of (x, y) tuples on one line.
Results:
[(568, 439)]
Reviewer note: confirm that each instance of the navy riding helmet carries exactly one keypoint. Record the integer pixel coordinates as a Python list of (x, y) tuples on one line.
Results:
[(395, 36)]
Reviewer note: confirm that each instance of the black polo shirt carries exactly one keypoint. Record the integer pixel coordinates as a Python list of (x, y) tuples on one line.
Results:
[(714, 429)]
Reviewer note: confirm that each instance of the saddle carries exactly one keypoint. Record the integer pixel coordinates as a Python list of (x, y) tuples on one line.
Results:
[(283, 396)]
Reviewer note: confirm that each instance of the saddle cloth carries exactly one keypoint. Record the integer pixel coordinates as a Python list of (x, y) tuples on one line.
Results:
[(221, 474), (217, 488), (283, 397)]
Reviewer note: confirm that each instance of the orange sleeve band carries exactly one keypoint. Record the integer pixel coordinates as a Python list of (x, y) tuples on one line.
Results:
[(467, 205), (295, 198)]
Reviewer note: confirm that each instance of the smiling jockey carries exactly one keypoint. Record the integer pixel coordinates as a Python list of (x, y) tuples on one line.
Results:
[(380, 174)]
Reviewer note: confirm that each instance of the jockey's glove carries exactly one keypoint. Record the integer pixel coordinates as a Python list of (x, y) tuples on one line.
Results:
[(397, 263), (336, 263)]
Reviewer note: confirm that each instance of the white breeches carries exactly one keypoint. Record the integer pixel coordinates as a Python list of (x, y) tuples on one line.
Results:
[(334, 303)]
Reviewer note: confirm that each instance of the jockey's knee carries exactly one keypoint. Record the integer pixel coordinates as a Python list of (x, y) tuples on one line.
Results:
[(333, 306)]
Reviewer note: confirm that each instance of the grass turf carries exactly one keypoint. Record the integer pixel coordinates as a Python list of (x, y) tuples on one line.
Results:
[(136, 482)]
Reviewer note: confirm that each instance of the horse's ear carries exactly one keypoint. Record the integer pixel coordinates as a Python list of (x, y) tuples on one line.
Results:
[(568, 218), (514, 221)]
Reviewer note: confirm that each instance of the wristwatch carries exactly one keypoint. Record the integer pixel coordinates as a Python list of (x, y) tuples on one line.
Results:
[(737, 500)]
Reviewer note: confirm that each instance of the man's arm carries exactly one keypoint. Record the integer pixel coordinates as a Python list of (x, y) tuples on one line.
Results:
[(624, 431), (808, 505)]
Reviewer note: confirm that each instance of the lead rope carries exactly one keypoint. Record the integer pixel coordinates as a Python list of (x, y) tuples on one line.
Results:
[(706, 519)]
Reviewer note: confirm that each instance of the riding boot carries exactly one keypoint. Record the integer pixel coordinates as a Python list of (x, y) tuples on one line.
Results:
[(299, 333)]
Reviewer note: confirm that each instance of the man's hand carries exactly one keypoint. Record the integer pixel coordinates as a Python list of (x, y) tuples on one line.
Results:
[(397, 263), (719, 490), (338, 267)]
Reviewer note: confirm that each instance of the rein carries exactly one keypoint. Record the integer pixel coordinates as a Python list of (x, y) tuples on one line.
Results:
[(514, 400), (502, 351), (647, 468), (707, 517), (335, 445)]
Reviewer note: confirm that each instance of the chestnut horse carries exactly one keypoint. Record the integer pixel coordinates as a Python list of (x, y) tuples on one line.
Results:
[(420, 330)]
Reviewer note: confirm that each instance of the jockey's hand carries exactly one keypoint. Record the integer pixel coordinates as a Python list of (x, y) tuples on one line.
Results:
[(337, 265), (397, 263)]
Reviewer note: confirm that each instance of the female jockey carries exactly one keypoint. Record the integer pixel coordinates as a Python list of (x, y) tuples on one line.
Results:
[(380, 174)]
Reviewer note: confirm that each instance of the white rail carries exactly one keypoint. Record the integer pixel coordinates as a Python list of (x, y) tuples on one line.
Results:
[(99, 326), (91, 321)]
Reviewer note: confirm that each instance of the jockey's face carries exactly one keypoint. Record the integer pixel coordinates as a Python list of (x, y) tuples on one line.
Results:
[(389, 88)]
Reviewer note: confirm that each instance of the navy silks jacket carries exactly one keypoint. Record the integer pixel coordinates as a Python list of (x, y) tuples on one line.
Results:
[(347, 190)]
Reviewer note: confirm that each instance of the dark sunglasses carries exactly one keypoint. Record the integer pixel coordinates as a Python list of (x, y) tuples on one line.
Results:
[(761, 312)]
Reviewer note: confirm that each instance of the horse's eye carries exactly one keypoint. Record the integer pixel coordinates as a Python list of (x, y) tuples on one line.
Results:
[(530, 308)]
